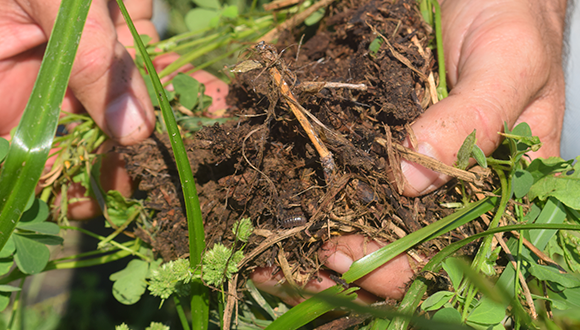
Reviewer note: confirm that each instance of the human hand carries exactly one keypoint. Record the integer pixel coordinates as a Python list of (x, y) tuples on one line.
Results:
[(504, 64), (104, 80)]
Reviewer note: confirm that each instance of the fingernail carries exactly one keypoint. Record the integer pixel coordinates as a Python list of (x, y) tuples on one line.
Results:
[(340, 262), (418, 177), (124, 116)]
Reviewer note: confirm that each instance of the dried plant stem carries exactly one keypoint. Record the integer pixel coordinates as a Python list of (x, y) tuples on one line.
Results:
[(521, 278), (538, 253), (325, 155), (434, 164), (316, 86), (232, 294)]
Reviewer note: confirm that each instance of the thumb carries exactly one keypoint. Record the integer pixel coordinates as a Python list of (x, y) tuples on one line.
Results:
[(496, 80), (104, 78)]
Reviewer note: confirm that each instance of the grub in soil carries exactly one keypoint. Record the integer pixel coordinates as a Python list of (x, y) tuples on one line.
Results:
[(269, 166)]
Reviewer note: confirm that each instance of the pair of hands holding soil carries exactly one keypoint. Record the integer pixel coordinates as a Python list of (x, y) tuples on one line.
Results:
[(504, 61)]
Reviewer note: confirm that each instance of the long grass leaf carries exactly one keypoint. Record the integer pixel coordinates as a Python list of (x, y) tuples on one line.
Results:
[(374, 260), (310, 309), (200, 293), (33, 138), (418, 287)]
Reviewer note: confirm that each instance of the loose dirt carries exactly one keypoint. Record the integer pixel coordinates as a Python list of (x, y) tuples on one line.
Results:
[(265, 166)]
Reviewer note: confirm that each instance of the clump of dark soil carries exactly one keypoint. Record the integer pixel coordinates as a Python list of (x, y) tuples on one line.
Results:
[(264, 165)]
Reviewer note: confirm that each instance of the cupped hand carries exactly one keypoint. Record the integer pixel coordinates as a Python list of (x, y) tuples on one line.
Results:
[(104, 80), (504, 64)]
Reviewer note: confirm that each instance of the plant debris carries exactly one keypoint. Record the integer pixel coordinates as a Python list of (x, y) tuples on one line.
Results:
[(307, 163)]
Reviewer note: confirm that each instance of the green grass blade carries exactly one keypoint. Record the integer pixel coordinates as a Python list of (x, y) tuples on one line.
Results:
[(33, 138), (442, 88), (200, 293), (418, 287), (374, 260), (310, 309)]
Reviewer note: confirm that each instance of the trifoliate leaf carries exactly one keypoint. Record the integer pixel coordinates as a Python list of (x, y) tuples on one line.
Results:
[(4, 300), (38, 212), (6, 265), (130, 282), (8, 248), (188, 90), (49, 228), (488, 312), (31, 256)]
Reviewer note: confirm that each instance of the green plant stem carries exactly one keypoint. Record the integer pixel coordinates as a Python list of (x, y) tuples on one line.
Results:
[(16, 308), (91, 253), (219, 58), (442, 88), (482, 254), (493, 161), (120, 229), (520, 215), (196, 42), (113, 243), (189, 57), (17, 274), (200, 293), (180, 312)]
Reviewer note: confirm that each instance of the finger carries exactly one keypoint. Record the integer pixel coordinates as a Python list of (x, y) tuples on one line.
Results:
[(14, 90), (495, 79), (387, 281), (104, 78), (272, 284)]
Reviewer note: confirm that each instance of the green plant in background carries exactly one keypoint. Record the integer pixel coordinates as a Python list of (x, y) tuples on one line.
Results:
[(551, 224), (153, 326)]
